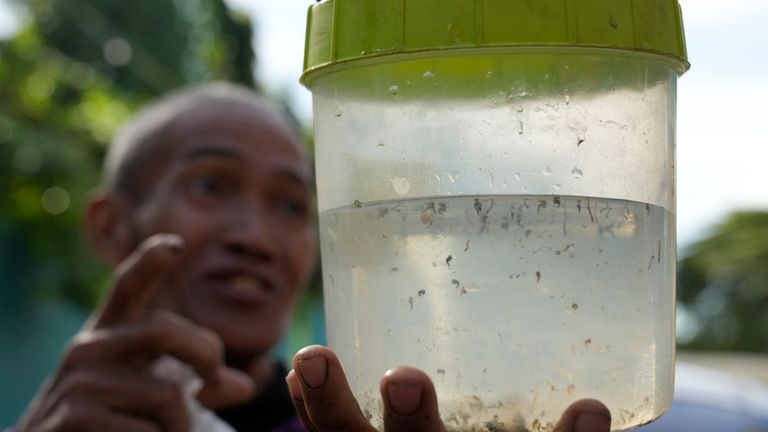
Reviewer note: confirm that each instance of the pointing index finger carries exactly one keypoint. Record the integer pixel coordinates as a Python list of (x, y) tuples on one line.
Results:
[(137, 278)]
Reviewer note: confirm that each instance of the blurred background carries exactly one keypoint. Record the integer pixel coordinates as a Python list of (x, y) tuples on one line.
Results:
[(71, 71)]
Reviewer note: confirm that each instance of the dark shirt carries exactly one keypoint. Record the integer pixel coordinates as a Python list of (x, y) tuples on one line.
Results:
[(271, 411)]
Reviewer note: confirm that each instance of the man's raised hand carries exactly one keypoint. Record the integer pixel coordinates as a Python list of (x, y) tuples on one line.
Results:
[(104, 379)]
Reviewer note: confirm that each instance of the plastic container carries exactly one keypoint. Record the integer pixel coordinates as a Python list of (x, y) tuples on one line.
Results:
[(496, 187)]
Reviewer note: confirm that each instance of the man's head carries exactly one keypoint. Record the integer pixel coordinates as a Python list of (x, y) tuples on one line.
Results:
[(219, 167)]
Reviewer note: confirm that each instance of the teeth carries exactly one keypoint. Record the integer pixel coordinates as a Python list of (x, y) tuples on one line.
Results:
[(246, 283)]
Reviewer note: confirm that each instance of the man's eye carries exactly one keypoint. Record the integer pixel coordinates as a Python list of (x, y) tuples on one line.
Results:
[(208, 185), (294, 207)]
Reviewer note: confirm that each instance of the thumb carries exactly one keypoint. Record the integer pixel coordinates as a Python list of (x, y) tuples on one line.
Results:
[(585, 415)]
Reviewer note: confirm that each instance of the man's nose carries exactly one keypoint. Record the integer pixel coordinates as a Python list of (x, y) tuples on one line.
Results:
[(249, 232)]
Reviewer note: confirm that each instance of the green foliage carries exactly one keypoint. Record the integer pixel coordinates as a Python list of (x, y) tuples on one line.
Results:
[(150, 47), (723, 283), (56, 116)]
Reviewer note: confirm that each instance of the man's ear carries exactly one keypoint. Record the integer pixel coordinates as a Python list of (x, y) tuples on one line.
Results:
[(108, 228)]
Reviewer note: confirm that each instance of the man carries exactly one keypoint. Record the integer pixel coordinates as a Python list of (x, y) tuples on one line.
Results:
[(206, 216)]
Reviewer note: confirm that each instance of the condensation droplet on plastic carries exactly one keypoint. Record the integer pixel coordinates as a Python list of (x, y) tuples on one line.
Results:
[(437, 177), (517, 176), (520, 127), (547, 172), (577, 173), (428, 74), (394, 89), (490, 180), (517, 94), (338, 111), (488, 73), (401, 185), (557, 187), (567, 100)]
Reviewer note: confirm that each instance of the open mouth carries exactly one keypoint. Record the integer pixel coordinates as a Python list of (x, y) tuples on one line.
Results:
[(242, 288), (243, 283)]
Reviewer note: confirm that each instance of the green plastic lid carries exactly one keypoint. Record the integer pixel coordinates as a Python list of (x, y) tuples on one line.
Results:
[(350, 30)]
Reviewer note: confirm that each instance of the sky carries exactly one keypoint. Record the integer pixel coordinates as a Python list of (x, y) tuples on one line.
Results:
[(722, 135)]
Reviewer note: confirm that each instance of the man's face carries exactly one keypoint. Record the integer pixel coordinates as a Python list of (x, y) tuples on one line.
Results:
[(236, 187)]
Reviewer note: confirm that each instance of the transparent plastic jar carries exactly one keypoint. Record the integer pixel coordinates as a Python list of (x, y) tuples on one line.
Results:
[(500, 213)]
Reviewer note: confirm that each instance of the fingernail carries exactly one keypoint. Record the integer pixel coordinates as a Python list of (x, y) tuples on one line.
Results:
[(404, 397), (314, 371), (174, 241), (592, 422), (171, 241)]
